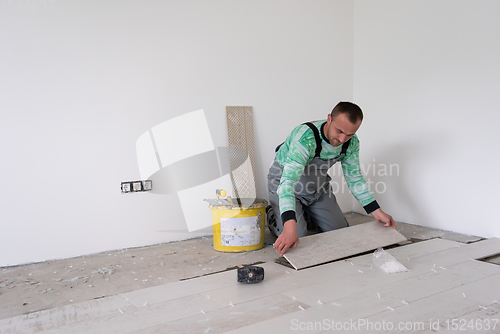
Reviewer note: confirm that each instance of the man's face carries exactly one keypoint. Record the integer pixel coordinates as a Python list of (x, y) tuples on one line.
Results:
[(340, 129)]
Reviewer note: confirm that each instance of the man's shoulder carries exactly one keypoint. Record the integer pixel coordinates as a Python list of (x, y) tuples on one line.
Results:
[(355, 139), (300, 142), (353, 147), (304, 126), (304, 132)]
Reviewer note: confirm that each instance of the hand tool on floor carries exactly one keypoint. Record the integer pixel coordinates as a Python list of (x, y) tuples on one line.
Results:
[(250, 274)]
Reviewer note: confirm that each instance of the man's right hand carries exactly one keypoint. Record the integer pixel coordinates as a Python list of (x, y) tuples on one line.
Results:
[(289, 238)]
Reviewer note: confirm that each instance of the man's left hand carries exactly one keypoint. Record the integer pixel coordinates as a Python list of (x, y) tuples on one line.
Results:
[(383, 217)]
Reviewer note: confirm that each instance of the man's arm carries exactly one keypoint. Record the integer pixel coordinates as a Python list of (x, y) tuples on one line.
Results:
[(355, 180), (358, 187), (297, 157), (383, 217), (289, 238)]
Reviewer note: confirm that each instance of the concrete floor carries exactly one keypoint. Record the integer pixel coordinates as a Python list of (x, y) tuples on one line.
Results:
[(67, 296)]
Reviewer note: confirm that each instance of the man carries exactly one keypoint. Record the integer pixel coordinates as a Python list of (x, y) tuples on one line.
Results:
[(298, 182)]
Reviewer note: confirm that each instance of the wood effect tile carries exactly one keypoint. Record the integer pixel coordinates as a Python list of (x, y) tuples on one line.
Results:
[(328, 246), (426, 313), (425, 233), (62, 316), (230, 317), (180, 289), (342, 278), (416, 318), (485, 319), (277, 278), (430, 290), (463, 252), (139, 319), (427, 284), (484, 291), (349, 281)]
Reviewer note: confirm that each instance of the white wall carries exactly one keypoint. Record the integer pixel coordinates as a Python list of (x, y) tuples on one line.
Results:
[(427, 75), (80, 81)]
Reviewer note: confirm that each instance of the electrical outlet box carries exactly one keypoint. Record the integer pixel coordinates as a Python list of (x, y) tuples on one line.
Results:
[(136, 186), (126, 187), (147, 185)]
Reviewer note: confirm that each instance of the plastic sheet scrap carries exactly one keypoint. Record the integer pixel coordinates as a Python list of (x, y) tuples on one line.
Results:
[(387, 262)]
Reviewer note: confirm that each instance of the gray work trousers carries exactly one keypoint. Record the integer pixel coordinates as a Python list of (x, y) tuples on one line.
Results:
[(320, 205)]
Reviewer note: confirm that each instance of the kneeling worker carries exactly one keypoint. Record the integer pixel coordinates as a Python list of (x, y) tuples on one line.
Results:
[(298, 182)]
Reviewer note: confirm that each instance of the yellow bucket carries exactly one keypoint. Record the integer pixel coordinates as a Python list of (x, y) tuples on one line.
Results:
[(238, 227)]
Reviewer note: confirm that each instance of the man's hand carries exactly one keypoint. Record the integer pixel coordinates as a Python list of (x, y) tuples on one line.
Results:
[(289, 238), (383, 217)]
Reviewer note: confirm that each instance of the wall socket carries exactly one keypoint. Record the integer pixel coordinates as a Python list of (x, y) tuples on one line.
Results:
[(137, 186)]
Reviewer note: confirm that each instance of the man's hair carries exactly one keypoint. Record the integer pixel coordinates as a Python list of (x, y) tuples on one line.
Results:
[(352, 111)]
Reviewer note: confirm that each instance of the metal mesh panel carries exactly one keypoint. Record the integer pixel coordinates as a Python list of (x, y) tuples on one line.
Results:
[(241, 151)]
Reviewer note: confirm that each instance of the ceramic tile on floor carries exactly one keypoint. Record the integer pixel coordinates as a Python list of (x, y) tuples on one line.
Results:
[(422, 286), (277, 278), (324, 247), (415, 231), (403, 254), (415, 317), (346, 277), (471, 274), (425, 233), (482, 320), (422, 248), (359, 274), (291, 323), (62, 316), (462, 253), (422, 314), (140, 318), (179, 289), (341, 286), (354, 218), (229, 318), (484, 291), (179, 304), (446, 257), (314, 319)]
